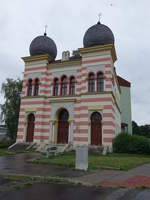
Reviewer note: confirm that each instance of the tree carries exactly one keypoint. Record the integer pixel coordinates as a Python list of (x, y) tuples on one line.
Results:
[(10, 109), (135, 128), (143, 130)]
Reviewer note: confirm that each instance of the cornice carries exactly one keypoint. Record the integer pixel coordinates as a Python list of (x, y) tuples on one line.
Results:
[(37, 58), (99, 48), (34, 97), (61, 99), (64, 64)]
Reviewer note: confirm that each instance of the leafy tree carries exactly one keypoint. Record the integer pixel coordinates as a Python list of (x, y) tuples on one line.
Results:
[(143, 130), (10, 109), (135, 128)]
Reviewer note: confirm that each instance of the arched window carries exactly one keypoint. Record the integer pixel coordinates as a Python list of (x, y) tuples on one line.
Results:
[(64, 86), (29, 91), (91, 82), (100, 82), (55, 90), (96, 117), (36, 87), (72, 86)]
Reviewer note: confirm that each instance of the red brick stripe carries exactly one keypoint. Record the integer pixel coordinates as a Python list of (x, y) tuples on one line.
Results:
[(109, 131), (35, 68), (108, 123), (80, 139), (41, 130), (109, 140), (82, 115), (80, 131), (96, 60), (41, 137), (108, 115), (81, 108), (34, 103), (19, 136)]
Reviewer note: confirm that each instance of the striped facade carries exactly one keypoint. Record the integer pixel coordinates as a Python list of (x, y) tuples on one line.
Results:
[(80, 106)]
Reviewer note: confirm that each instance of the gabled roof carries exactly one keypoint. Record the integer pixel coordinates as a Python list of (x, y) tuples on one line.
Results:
[(123, 82)]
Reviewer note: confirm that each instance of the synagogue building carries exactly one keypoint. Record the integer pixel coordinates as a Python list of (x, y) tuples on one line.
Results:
[(78, 99)]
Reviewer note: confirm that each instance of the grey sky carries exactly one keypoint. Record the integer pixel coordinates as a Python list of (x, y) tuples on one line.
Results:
[(67, 20)]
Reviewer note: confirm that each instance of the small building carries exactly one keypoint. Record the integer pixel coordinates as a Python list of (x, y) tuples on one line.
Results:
[(125, 105), (75, 99)]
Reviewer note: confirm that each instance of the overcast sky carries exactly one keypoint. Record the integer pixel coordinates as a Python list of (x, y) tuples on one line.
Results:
[(67, 20)]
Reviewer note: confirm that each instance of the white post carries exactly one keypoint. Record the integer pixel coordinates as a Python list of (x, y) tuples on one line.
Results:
[(69, 136), (51, 132), (89, 132), (71, 131)]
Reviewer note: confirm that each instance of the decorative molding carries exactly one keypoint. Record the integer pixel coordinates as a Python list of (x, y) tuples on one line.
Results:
[(95, 107), (27, 110), (60, 64), (34, 97), (37, 58), (62, 99), (99, 48)]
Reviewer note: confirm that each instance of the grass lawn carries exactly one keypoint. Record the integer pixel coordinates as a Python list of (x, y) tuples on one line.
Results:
[(111, 161)]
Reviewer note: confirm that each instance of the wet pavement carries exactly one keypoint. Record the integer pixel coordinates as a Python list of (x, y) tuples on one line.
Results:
[(53, 191), (18, 164)]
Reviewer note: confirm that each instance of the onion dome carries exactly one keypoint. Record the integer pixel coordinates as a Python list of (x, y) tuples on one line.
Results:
[(99, 34), (42, 45)]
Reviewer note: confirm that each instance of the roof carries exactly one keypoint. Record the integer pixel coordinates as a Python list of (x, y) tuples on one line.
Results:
[(123, 82), (99, 34)]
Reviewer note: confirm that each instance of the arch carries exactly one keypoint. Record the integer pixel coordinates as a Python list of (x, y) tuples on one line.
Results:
[(100, 82), (96, 128), (36, 87), (29, 89), (91, 82), (55, 87), (72, 85), (63, 127), (64, 85), (30, 127)]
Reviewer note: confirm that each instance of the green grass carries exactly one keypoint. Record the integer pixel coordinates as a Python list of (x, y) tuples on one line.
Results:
[(111, 161)]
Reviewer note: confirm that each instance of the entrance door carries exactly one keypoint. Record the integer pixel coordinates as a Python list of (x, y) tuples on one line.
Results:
[(96, 129), (30, 128), (63, 127)]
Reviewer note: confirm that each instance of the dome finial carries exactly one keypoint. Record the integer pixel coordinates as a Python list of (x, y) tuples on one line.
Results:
[(45, 34), (99, 17)]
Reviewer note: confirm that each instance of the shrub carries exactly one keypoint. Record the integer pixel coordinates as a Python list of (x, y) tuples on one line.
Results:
[(125, 143), (4, 143)]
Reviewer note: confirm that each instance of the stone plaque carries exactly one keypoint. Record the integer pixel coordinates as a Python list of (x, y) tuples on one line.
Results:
[(82, 157)]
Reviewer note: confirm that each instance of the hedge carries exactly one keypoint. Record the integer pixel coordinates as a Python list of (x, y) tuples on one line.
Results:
[(5, 143), (125, 143)]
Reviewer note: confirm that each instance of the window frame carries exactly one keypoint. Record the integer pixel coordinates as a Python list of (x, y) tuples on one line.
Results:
[(100, 81), (91, 82)]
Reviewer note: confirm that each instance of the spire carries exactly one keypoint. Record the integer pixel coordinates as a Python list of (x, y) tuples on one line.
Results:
[(45, 34), (99, 18)]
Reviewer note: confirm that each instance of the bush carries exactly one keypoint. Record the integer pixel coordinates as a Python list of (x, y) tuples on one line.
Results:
[(125, 143), (5, 143)]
